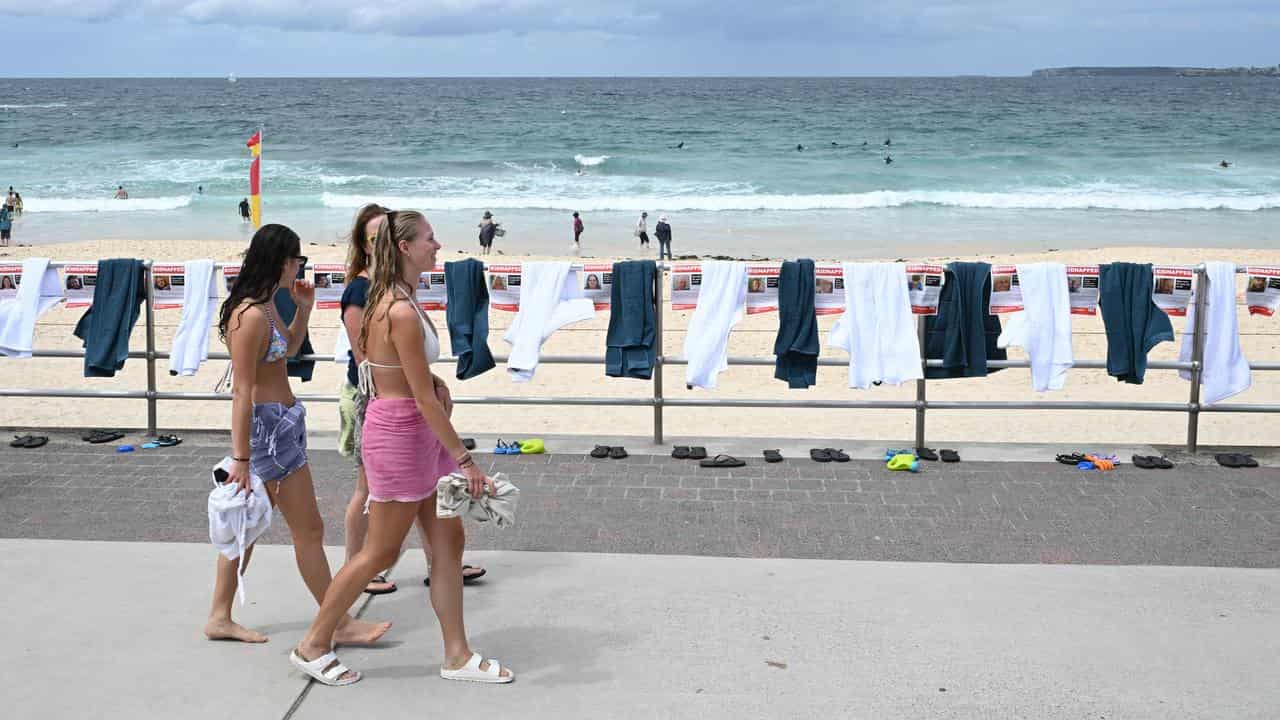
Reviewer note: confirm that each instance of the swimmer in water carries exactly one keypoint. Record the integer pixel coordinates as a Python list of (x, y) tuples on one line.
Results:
[(864, 143), (888, 160), (888, 142), (835, 144), (799, 147), (1224, 164), (678, 146)]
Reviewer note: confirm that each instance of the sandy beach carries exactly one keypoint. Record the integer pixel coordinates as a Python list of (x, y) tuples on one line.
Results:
[(754, 336)]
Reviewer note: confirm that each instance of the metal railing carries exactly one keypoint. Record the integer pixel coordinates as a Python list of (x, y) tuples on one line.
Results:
[(921, 405)]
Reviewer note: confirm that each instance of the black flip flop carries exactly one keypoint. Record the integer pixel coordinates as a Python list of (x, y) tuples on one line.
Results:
[(29, 441), (1072, 459), (20, 441), (819, 455), (926, 454), (1245, 460), (380, 579), (697, 452), (722, 461), (168, 440), (600, 452), (617, 453), (469, 443), (949, 456), (837, 455), (466, 579), (1144, 462), (1161, 462), (97, 437), (772, 456), (680, 452)]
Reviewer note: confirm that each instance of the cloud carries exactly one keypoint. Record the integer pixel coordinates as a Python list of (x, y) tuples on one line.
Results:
[(819, 22)]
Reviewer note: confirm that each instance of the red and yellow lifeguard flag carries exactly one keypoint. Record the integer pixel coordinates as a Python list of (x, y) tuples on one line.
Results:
[(255, 179)]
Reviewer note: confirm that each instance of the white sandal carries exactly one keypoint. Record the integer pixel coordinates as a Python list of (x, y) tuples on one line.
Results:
[(471, 672), (317, 669)]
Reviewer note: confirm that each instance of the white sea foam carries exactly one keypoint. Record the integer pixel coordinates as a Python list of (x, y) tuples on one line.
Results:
[(590, 160), (1044, 200), (107, 204), (41, 106)]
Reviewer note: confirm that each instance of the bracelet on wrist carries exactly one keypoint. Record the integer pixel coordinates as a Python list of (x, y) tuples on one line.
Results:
[(239, 459)]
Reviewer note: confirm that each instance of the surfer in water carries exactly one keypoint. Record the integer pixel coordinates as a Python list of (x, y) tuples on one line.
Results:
[(799, 147), (1224, 164), (121, 193), (678, 146), (888, 160), (887, 142)]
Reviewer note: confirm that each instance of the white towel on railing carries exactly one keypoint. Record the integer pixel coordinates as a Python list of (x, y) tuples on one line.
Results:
[(39, 290), (199, 298), (877, 329), (1043, 328), (550, 298), (1226, 371), (721, 300), (342, 345)]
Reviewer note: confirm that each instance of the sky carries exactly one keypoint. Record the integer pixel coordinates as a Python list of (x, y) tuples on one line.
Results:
[(211, 38)]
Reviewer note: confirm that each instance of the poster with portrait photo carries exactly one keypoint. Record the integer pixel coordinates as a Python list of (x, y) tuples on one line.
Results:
[(229, 275), (10, 279), (762, 287), (169, 282), (828, 288), (686, 283), (79, 282), (1262, 290), (1006, 293), (1173, 289), (330, 280), (1083, 289), (597, 283), (924, 287), (504, 286), (431, 293)]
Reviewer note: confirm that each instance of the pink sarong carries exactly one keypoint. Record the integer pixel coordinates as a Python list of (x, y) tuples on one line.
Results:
[(403, 459)]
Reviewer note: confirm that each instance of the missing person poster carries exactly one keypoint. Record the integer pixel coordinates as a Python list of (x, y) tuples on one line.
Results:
[(828, 288), (1173, 289), (80, 281), (762, 287), (1006, 293), (330, 280), (1083, 289), (686, 282), (597, 283), (169, 281), (1262, 290), (924, 287), (10, 279), (504, 287), (431, 293), (229, 275)]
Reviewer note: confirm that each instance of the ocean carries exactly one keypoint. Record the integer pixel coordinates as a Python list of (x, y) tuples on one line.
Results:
[(979, 164)]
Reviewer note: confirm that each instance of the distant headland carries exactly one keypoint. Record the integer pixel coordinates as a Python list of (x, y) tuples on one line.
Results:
[(1268, 71)]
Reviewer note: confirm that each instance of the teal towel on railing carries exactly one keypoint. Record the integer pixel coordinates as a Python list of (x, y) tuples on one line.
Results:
[(1134, 323), (467, 314), (630, 350), (105, 327), (296, 366), (796, 346), (963, 334)]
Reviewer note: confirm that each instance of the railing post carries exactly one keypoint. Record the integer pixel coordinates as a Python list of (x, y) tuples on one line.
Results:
[(660, 352), (920, 384), (151, 349), (1197, 359)]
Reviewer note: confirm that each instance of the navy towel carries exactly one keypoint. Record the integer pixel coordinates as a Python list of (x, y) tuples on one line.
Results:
[(105, 327), (296, 366), (1133, 322), (633, 318), (963, 334), (467, 314), (796, 345)]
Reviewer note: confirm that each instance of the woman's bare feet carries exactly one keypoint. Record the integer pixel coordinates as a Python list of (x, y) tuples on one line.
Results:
[(229, 630), (359, 632)]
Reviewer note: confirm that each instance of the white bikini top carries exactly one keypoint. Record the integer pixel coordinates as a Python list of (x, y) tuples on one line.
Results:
[(430, 346)]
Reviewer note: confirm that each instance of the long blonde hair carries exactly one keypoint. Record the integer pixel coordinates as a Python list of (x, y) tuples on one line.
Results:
[(388, 266)]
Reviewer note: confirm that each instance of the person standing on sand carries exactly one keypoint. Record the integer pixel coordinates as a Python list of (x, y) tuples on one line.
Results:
[(121, 193), (11, 199), (245, 216), (6, 225), (353, 404), (409, 442), (268, 430), (663, 231), (488, 228), (578, 227), (642, 230)]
